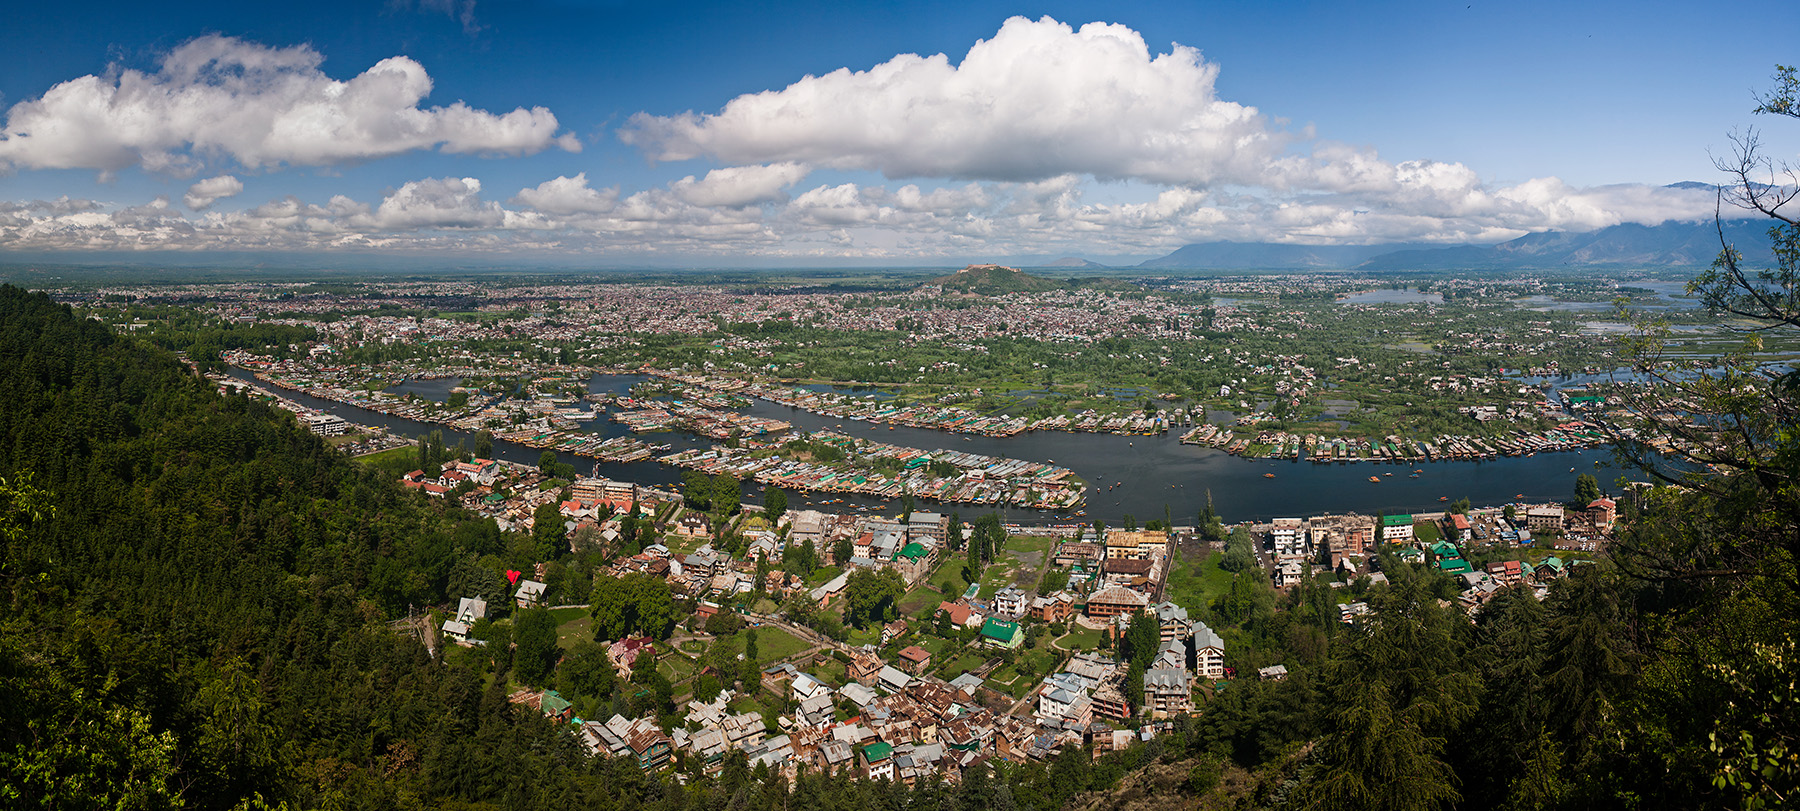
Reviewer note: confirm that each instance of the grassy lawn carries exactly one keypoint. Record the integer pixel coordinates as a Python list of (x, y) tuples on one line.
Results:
[(1192, 589), (675, 668), (1030, 544), (962, 664), (831, 672), (934, 644), (864, 636), (683, 545), (397, 461), (774, 643), (1080, 639), (1426, 532), (572, 625), (1001, 573), (823, 575), (693, 647), (922, 600)]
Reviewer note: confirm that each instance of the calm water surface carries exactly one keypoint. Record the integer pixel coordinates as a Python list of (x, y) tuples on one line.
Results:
[(1141, 476)]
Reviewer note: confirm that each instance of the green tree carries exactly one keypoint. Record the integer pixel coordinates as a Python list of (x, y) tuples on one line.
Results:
[(1587, 489), (536, 652), (1386, 747), (1143, 636), (547, 463), (547, 531), (634, 604), (775, 504), (751, 670), (872, 596), (1240, 551), (586, 671), (1379, 759)]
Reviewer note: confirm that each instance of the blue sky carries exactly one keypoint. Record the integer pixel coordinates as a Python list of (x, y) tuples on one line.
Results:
[(588, 130)]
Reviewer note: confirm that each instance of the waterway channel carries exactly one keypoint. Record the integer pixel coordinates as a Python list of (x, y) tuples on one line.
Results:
[(1138, 475)]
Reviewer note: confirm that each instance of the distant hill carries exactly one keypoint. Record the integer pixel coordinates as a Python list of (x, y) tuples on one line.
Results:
[(1272, 256), (1077, 262), (1674, 244), (1689, 244), (995, 279)]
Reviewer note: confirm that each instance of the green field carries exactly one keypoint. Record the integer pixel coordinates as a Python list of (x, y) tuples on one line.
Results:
[(962, 664), (1193, 589), (572, 625), (773, 643), (1018, 565), (397, 461), (1426, 532), (1080, 639), (922, 601), (675, 668)]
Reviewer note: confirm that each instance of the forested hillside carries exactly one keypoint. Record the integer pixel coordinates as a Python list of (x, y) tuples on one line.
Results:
[(196, 597)]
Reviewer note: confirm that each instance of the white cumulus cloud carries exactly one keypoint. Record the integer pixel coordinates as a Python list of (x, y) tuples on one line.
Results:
[(568, 195), (739, 185), (259, 106), (451, 202), (1038, 100), (202, 195)]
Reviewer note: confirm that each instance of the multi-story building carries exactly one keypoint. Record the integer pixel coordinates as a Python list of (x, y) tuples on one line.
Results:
[(1166, 693)]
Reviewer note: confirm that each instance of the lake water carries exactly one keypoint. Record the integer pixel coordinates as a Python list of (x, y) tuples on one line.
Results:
[(1150, 472), (436, 390), (1407, 296)]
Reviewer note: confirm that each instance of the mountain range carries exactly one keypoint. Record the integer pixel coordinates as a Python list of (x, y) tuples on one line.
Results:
[(1673, 244)]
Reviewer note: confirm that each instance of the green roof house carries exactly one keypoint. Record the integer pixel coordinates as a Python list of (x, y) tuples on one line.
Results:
[(1001, 634), (554, 705)]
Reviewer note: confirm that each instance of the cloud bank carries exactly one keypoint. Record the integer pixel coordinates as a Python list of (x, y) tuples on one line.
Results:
[(759, 211), (219, 97)]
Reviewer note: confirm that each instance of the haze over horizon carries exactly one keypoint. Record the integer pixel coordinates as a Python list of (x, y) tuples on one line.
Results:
[(811, 134)]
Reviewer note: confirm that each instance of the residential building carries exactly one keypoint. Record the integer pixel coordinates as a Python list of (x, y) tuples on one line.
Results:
[(915, 660), (530, 594), (877, 761), (1173, 620), (1166, 693), (1544, 517), (1135, 545), (1000, 633), (1397, 528), (865, 666), (1115, 600), (1289, 538), (1053, 607), (1209, 652), (1010, 602)]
